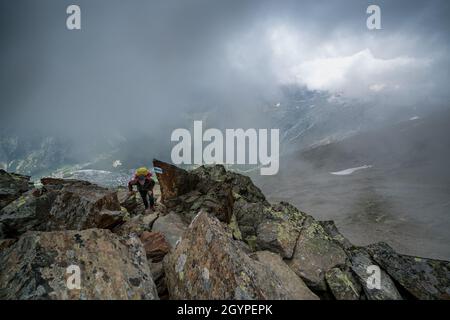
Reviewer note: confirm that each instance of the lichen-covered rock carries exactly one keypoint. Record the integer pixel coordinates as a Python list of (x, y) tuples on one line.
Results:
[(250, 215), (208, 264), (333, 232), (171, 226), (27, 212), (218, 200), (423, 278), (62, 205), (234, 227), (240, 184), (315, 254), (36, 267), (155, 245), (290, 281), (343, 284), (277, 236), (360, 263), (212, 197), (12, 185)]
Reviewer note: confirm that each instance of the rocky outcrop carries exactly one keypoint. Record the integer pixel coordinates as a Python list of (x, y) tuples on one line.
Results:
[(40, 266), (241, 185), (361, 262), (207, 264), (277, 236), (213, 236), (62, 205), (315, 254), (174, 181), (424, 279), (251, 215), (290, 281), (12, 185), (187, 192)]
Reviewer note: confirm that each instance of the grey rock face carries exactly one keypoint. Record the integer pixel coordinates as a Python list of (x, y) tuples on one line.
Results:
[(62, 205), (360, 264), (12, 185), (425, 279), (36, 267)]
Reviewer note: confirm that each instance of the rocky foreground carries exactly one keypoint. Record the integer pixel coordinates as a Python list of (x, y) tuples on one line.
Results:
[(213, 235)]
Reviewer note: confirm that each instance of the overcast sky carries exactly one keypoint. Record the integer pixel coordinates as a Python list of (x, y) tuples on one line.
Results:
[(135, 64)]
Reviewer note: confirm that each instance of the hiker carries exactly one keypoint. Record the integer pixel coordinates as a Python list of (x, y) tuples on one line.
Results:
[(144, 182)]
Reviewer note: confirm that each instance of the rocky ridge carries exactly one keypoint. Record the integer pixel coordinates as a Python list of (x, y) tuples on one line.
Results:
[(213, 235)]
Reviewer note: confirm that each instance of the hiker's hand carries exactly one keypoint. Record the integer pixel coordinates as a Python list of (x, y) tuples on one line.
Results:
[(131, 193)]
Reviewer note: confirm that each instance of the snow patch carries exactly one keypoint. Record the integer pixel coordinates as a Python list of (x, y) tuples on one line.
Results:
[(117, 163), (91, 171), (350, 170)]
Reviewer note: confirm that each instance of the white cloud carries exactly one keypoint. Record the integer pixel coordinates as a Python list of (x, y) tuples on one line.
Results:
[(377, 87), (342, 65)]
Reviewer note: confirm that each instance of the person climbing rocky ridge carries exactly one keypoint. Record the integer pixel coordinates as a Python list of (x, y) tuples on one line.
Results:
[(213, 235)]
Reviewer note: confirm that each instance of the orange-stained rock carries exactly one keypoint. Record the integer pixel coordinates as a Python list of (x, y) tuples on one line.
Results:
[(155, 245), (173, 181)]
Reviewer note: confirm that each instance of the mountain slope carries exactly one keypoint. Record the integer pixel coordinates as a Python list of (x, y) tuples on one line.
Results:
[(401, 193)]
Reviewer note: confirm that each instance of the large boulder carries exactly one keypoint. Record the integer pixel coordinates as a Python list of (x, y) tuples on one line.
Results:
[(62, 205), (291, 282), (28, 212), (423, 278), (315, 254), (250, 215), (171, 226), (36, 267), (277, 236), (12, 185), (173, 181), (186, 193), (208, 264), (360, 263), (241, 185)]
